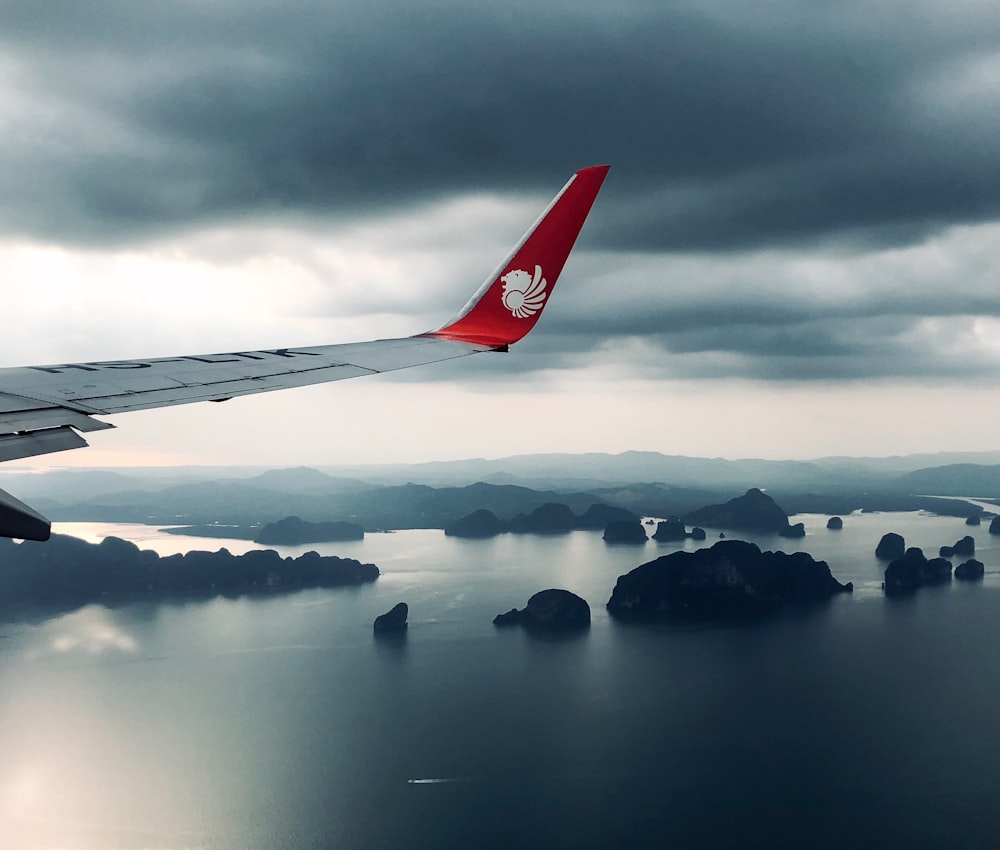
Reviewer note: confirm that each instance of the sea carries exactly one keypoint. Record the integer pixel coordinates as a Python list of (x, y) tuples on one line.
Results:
[(282, 722)]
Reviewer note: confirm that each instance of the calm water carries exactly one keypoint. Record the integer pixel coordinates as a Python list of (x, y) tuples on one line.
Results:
[(282, 723)]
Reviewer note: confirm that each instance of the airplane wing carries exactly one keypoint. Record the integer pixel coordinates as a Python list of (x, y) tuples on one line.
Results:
[(46, 408)]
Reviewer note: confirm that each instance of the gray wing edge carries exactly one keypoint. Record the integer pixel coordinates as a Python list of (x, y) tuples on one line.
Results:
[(46, 409)]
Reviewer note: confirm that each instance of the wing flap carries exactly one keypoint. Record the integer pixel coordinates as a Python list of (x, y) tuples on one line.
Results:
[(31, 418), (16, 446)]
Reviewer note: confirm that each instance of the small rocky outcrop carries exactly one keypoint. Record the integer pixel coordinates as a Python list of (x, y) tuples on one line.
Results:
[(625, 531), (753, 511), (913, 570), (890, 547), (835, 523), (674, 530), (601, 516), (393, 620), (550, 518), (973, 519), (732, 579), (293, 531), (793, 531), (965, 547), (995, 525), (549, 610), (971, 570), (670, 531), (478, 524)]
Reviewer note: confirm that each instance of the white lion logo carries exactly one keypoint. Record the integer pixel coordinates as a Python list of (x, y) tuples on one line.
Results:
[(523, 294)]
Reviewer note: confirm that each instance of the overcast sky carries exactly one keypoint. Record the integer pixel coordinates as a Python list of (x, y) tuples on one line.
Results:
[(796, 252)]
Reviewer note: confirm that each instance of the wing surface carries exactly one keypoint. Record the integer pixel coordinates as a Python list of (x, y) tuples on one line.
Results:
[(46, 408)]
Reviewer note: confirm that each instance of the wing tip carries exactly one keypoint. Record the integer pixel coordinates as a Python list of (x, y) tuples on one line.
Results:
[(20, 521), (546, 245)]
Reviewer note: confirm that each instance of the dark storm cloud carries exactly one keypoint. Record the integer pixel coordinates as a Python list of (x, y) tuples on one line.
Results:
[(728, 127)]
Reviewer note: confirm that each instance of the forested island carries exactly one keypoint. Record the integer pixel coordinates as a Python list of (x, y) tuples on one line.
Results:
[(290, 531), (65, 570), (732, 579), (328, 508)]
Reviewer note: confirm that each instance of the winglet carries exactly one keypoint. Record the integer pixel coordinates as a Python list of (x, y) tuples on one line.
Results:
[(511, 300)]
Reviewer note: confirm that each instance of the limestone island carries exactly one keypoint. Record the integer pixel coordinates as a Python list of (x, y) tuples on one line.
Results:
[(549, 610), (393, 620), (673, 531), (731, 580), (550, 518), (971, 570), (890, 547), (69, 571), (905, 574), (753, 511), (292, 531), (625, 531), (964, 547), (478, 524)]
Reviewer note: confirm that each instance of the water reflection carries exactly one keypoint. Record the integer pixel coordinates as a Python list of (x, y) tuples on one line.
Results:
[(92, 629), (392, 644), (286, 722)]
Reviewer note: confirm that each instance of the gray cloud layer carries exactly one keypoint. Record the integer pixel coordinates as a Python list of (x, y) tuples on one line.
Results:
[(787, 178), (729, 127)]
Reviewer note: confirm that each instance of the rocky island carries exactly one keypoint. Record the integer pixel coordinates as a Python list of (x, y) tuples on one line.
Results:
[(66, 570), (971, 570), (674, 530), (393, 620), (550, 518), (549, 610), (912, 570), (964, 547), (890, 547), (732, 579), (292, 531), (625, 531), (477, 525), (753, 511)]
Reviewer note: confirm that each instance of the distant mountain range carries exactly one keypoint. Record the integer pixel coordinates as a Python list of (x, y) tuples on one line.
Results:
[(584, 471), (436, 494)]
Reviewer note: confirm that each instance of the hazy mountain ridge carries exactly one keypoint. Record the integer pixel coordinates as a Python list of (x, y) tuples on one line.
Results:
[(643, 482), (237, 503), (604, 469), (959, 479)]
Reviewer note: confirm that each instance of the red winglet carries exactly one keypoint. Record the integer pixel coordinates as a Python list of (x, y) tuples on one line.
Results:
[(511, 300)]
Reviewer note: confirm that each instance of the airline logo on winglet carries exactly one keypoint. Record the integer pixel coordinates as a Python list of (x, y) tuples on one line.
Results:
[(523, 294), (512, 299)]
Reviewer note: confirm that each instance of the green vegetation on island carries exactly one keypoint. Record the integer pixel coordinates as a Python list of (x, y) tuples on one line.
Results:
[(68, 571)]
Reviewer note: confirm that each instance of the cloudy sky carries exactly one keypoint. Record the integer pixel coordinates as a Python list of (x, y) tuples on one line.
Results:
[(796, 253)]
